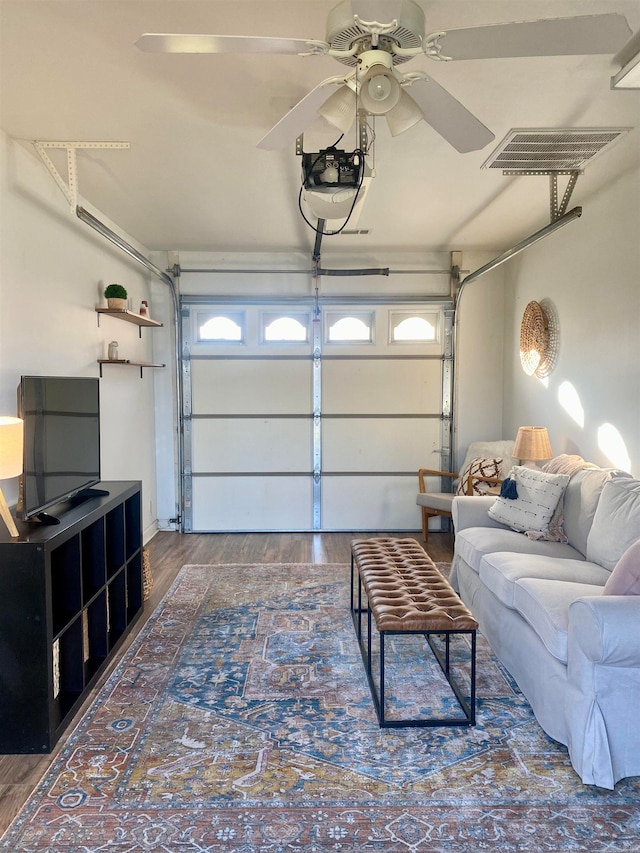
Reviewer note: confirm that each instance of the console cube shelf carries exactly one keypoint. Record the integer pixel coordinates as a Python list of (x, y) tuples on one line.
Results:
[(69, 594)]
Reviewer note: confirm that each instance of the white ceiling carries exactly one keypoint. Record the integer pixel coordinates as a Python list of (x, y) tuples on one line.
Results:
[(193, 178)]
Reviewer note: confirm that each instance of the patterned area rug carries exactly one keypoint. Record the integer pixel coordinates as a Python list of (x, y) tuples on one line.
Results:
[(241, 720)]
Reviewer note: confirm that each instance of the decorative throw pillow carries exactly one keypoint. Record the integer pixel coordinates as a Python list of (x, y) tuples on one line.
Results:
[(538, 496), (479, 467), (625, 578)]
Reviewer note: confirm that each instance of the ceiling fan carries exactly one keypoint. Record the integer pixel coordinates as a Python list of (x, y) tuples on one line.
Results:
[(374, 50)]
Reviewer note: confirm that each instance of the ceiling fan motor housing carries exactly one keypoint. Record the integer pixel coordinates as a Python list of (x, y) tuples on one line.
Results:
[(343, 30)]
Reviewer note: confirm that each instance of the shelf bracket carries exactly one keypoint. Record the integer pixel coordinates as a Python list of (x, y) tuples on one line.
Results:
[(69, 187), (558, 210)]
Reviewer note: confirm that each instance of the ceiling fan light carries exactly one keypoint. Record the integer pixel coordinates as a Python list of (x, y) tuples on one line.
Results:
[(340, 109), (404, 115), (379, 91)]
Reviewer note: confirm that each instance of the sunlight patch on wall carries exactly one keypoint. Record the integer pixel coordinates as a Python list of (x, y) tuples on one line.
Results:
[(570, 401), (613, 446)]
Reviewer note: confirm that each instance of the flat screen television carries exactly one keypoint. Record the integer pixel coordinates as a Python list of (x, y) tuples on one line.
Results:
[(61, 417)]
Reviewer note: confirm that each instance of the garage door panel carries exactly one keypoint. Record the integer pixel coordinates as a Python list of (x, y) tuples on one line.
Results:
[(252, 503), (370, 503), (378, 444), (252, 444), (313, 436), (270, 386), (380, 386)]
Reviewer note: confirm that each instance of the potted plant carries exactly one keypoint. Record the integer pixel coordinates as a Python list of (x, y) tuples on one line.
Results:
[(116, 296)]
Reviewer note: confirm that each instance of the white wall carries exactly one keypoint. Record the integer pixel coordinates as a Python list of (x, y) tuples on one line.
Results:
[(479, 391), (53, 269), (590, 271)]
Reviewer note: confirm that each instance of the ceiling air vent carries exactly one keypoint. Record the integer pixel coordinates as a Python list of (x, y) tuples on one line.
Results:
[(359, 232), (530, 152)]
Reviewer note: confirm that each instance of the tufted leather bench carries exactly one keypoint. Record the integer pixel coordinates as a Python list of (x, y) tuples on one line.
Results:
[(406, 594)]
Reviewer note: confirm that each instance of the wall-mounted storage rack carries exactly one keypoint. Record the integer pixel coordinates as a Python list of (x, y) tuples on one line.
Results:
[(137, 319)]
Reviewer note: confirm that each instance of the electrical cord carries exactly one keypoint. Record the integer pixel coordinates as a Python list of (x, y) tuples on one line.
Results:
[(307, 176)]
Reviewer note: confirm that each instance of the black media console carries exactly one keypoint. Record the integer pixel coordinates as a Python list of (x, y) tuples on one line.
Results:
[(69, 594)]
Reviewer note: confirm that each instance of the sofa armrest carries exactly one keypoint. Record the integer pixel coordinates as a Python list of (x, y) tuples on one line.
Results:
[(607, 628), (472, 511)]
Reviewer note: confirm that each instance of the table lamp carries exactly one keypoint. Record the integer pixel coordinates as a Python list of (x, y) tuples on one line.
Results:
[(10, 462), (532, 444)]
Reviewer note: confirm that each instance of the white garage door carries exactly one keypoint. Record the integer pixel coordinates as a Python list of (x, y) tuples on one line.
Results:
[(299, 419)]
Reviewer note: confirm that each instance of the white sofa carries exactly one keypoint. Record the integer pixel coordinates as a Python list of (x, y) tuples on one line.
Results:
[(574, 652)]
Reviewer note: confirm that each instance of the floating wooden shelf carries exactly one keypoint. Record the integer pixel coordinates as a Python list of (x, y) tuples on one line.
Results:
[(129, 317), (125, 362)]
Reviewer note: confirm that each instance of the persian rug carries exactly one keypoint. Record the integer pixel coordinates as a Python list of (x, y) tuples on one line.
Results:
[(241, 720)]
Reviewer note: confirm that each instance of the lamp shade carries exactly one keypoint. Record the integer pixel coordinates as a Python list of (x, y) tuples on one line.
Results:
[(10, 447), (380, 91), (340, 108), (532, 443), (404, 115)]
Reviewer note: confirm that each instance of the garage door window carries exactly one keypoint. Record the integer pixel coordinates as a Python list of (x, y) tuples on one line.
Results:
[(227, 327), (413, 328), (351, 327), (292, 328)]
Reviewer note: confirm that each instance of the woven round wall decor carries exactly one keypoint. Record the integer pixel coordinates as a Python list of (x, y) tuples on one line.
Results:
[(538, 340)]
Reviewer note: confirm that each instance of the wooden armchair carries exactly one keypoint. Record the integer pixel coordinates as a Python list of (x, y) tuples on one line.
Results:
[(433, 504)]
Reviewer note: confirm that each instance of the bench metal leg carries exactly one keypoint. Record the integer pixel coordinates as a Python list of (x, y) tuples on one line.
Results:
[(468, 707)]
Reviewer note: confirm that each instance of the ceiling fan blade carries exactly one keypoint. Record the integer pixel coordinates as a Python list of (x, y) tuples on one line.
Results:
[(193, 43), (298, 119), (448, 117), (586, 34)]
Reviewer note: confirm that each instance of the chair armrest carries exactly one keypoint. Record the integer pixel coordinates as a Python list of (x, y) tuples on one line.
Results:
[(472, 511), (607, 628), (478, 478), (430, 472)]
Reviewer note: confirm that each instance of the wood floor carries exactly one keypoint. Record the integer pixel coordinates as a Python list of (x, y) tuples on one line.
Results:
[(168, 552)]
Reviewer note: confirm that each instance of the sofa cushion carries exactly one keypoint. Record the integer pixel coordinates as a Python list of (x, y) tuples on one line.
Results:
[(625, 578), (479, 467), (545, 606), (579, 504), (500, 572), (538, 496), (616, 524), (472, 543)]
